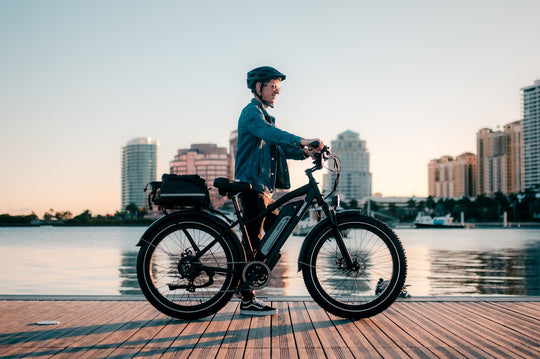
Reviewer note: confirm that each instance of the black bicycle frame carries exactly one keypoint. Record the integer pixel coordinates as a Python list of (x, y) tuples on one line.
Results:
[(288, 218)]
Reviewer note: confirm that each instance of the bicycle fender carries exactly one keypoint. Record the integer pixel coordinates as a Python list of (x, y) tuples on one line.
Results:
[(220, 223), (315, 231), (151, 228)]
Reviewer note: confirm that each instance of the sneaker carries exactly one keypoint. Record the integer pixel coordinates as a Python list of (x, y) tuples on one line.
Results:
[(254, 306)]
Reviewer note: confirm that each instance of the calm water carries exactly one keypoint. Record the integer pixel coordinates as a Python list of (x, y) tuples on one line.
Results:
[(101, 261)]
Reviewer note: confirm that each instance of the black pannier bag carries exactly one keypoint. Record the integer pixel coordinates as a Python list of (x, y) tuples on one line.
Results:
[(179, 191)]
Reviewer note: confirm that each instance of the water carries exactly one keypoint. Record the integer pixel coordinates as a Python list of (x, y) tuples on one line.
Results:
[(102, 260)]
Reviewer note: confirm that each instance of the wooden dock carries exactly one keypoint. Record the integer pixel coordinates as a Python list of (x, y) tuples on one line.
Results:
[(440, 328)]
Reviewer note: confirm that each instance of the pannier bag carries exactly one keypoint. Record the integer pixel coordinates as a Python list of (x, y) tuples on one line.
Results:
[(179, 191)]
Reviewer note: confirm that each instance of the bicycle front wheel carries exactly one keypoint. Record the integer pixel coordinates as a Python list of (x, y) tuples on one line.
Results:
[(373, 282), (188, 269)]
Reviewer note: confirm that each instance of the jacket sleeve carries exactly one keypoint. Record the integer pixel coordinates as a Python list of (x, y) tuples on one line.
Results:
[(255, 123), (293, 153)]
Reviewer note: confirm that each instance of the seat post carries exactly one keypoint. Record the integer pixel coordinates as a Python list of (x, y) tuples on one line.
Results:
[(245, 236)]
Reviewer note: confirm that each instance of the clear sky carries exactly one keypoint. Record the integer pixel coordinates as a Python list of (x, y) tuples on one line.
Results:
[(416, 79)]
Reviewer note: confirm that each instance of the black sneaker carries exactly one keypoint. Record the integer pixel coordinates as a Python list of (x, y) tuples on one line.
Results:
[(254, 306)]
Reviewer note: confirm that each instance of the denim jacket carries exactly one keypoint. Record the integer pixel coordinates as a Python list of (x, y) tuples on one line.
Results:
[(262, 150)]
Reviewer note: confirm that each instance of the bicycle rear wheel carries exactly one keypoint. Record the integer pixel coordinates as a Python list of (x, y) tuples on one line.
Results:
[(178, 283), (379, 269)]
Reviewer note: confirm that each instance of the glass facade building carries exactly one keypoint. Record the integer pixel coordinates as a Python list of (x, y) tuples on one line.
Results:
[(531, 135), (355, 180), (139, 166)]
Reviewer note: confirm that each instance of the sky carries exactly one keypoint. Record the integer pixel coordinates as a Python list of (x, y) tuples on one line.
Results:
[(416, 79)]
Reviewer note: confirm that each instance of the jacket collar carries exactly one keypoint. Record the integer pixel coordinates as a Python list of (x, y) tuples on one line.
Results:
[(270, 119)]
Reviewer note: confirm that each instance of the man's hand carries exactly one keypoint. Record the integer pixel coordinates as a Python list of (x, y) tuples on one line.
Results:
[(308, 143)]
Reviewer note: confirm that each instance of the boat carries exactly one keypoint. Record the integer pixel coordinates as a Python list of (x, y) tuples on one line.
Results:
[(426, 221), (306, 224)]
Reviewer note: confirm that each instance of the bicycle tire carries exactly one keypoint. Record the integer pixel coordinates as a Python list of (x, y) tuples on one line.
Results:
[(164, 261), (360, 293)]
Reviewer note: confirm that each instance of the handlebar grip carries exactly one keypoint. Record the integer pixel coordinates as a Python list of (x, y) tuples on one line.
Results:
[(314, 144)]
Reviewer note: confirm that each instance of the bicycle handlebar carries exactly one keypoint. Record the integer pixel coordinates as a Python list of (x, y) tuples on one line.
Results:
[(319, 157), (323, 155)]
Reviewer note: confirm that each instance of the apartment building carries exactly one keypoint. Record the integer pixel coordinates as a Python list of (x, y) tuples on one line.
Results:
[(491, 162), (205, 159), (139, 166), (355, 180), (450, 177), (531, 135), (513, 148)]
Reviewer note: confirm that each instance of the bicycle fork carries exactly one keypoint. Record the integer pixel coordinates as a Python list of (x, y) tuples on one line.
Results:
[(350, 264)]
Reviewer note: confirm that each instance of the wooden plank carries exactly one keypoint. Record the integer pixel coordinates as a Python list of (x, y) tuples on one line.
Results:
[(301, 329), (182, 346), (331, 341), (452, 332), (415, 338), (530, 311), (380, 341), (39, 340), (85, 324), (283, 344), (354, 338), (258, 344), (216, 332), (499, 334), (434, 334), (307, 342), (234, 342), (114, 334), (483, 330), (516, 321), (137, 334)]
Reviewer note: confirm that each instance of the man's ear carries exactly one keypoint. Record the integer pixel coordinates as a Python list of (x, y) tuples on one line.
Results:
[(258, 88)]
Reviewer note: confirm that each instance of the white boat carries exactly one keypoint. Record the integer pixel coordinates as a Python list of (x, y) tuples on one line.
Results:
[(426, 221), (305, 225)]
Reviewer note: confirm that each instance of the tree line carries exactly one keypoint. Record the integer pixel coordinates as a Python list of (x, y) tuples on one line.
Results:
[(523, 207), (132, 215)]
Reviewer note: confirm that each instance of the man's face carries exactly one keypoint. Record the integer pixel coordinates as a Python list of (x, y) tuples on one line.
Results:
[(270, 91)]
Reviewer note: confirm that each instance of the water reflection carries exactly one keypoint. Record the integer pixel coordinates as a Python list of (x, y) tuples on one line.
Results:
[(102, 261), (509, 271), (127, 271)]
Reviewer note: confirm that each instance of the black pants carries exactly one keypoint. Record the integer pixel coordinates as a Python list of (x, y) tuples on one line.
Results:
[(253, 203)]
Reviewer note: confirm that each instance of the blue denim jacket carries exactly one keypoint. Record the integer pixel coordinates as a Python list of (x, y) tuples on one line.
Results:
[(262, 150)]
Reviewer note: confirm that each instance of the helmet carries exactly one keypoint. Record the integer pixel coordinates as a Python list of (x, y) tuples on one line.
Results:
[(262, 74)]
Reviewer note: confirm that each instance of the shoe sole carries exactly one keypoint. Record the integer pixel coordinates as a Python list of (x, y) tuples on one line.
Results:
[(258, 312)]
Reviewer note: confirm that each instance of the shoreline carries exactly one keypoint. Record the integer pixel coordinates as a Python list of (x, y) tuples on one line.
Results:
[(404, 225), (140, 297)]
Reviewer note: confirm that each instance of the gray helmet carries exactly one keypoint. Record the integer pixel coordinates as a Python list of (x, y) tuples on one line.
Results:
[(263, 74)]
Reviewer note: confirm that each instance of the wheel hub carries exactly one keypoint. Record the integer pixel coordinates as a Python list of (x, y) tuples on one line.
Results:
[(188, 267)]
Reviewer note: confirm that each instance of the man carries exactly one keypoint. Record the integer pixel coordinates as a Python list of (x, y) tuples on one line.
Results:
[(262, 150)]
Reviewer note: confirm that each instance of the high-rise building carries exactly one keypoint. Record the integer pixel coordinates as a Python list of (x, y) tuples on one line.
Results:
[(441, 177), (513, 142), (491, 164), (531, 135), (450, 177), (465, 173), (355, 180), (208, 161), (139, 166)]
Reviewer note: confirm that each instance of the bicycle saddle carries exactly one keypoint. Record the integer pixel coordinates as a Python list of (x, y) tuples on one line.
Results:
[(230, 188)]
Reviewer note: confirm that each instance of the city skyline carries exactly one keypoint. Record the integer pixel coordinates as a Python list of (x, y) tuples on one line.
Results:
[(415, 80)]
